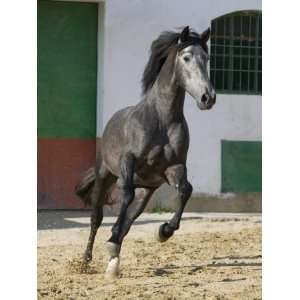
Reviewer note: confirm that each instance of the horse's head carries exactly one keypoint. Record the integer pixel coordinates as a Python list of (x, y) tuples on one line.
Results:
[(191, 67)]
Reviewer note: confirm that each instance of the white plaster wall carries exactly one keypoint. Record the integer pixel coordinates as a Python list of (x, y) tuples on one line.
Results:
[(130, 27)]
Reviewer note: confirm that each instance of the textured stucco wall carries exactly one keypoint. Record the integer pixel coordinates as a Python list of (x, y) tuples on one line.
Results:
[(130, 27)]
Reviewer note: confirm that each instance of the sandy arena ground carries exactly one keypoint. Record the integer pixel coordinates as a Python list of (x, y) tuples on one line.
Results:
[(212, 256)]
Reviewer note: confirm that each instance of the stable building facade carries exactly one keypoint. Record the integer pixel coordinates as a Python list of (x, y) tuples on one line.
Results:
[(91, 56)]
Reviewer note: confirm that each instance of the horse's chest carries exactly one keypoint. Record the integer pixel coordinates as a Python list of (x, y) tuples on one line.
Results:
[(161, 155), (156, 161)]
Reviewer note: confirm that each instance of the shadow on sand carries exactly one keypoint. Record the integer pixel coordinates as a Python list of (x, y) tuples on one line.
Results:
[(60, 219)]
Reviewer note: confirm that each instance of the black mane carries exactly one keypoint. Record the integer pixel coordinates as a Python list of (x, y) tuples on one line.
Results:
[(159, 51)]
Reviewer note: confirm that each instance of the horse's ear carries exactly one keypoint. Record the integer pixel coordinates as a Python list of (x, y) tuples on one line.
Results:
[(205, 35), (184, 35)]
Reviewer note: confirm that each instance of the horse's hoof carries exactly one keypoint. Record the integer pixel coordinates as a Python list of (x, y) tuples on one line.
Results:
[(162, 234), (87, 257), (113, 268)]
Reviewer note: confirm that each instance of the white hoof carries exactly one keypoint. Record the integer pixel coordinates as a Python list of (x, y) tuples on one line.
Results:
[(113, 268)]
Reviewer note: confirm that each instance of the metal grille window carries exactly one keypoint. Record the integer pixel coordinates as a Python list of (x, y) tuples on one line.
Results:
[(235, 64)]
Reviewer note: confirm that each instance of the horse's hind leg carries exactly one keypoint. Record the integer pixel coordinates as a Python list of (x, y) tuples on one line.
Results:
[(177, 177), (96, 220), (132, 213), (103, 182)]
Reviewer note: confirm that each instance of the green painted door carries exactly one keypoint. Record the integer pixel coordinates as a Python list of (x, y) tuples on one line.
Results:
[(241, 166), (67, 69), (67, 88)]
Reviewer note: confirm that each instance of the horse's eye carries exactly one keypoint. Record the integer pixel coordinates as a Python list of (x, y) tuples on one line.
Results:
[(187, 58)]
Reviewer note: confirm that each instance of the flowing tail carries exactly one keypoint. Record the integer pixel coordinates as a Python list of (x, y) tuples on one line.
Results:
[(84, 187)]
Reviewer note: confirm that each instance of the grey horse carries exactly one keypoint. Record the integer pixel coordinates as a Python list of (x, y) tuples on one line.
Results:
[(146, 145)]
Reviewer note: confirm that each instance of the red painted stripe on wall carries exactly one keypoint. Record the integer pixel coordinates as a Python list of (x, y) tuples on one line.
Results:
[(60, 163)]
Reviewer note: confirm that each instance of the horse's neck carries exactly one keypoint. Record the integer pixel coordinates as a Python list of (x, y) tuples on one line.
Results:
[(166, 95), (168, 101)]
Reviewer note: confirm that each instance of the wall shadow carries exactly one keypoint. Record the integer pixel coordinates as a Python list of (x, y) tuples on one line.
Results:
[(47, 220)]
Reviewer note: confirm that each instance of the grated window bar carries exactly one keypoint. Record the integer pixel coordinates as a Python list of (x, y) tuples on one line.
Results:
[(236, 53)]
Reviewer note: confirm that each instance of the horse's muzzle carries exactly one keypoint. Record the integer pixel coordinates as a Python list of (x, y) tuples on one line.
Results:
[(207, 101)]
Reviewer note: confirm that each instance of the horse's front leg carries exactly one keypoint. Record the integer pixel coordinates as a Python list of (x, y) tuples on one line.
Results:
[(132, 213), (177, 177), (127, 192)]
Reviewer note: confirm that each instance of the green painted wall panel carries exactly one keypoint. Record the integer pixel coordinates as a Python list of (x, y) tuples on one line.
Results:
[(67, 69), (241, 166)]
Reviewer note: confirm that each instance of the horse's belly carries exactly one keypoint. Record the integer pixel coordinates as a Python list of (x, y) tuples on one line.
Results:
[(151, 174), (150, 180)]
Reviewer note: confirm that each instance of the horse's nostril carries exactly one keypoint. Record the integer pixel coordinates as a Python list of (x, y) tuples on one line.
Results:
[(204, 98)]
